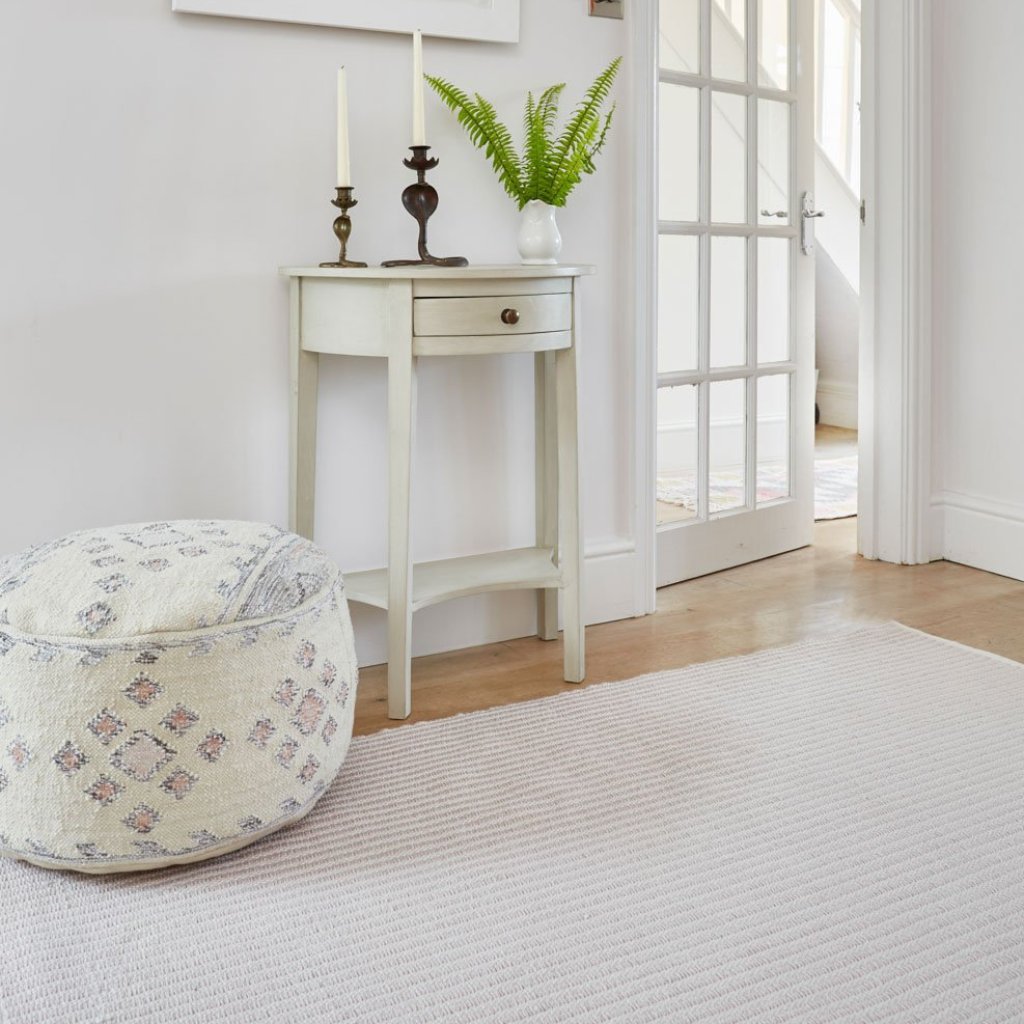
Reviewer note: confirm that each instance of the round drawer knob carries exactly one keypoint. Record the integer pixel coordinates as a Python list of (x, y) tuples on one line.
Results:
[(510, 316)]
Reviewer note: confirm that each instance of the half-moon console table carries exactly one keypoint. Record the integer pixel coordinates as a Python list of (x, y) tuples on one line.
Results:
[(401, 314)]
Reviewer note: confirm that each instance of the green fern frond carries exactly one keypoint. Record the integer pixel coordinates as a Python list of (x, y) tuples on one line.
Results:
[(583, 117), (576, 164), (485, 131), (550, 167), (539, 124)]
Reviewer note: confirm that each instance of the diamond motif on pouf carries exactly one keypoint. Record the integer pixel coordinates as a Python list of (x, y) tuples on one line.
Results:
[(179, 720), (309, 712), (19, 754), (106, 726), (191, 699), (212, 747), (143, 819), (179, 783), (105, 790), (69, 759), (261, 733), (142, 756), (142, 690)]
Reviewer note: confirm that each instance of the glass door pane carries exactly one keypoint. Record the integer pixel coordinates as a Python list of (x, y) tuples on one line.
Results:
[(678, 152), (679, 45), (729, 39), (728, 158), (727, 449), (677, 453), (773, 162), (678, 302), (728, 342), (773, 439), (773, 24), (773, 305)]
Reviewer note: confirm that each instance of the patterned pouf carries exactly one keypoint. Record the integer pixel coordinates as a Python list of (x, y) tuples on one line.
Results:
[(168, 692)]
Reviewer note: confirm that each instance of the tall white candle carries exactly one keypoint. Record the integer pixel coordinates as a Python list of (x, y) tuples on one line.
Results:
[(344, 171), (419, 120)]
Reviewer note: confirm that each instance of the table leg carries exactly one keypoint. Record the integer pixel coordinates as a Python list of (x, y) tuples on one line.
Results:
[(305, 373), (546, 484), (570, 536), (401, 418)]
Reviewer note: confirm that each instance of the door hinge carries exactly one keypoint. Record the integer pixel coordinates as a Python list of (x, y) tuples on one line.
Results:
[(863, 211)]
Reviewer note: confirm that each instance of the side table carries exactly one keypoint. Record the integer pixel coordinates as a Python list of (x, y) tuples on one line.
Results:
[(402, 314)]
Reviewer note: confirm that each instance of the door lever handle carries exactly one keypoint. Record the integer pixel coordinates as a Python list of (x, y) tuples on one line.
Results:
[(781, 214), (808, 215)]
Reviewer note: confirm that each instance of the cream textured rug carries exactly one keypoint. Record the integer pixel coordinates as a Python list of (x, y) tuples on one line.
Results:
[(833, 832)]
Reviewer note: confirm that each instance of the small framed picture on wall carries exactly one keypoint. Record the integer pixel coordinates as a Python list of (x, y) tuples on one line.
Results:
[(605, 8)]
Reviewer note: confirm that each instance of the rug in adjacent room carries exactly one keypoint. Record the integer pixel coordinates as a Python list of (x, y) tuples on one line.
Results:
[(835, 487), (829, 833)]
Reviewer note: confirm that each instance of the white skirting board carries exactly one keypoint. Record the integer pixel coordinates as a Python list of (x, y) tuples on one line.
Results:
[(978, 532), (609, 595), (838, 404)]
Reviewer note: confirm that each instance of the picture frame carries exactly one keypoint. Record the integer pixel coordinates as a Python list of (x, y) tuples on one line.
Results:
[(485, 20)]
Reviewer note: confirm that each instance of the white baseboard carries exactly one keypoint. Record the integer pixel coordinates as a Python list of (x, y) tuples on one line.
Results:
[(838, 403), (609, 595), (677, 443), (979, 532)]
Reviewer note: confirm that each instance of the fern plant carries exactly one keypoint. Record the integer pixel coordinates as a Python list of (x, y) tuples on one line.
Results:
[(550, 165)]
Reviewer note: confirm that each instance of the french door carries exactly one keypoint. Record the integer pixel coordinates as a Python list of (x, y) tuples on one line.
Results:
[(735, 283)]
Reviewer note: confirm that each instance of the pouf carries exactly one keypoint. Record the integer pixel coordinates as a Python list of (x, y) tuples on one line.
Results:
[(169, 692)]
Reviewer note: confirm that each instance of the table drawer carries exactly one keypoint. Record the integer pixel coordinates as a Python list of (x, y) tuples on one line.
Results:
[(493, 314)]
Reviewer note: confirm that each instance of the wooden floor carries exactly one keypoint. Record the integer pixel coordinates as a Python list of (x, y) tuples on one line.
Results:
[(769, 603), (834, 442)]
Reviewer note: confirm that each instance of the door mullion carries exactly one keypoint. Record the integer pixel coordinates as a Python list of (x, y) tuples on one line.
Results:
[(703, 450), (705, 37), (796, 207), (704, 307), (668, 227), (751, 385), (723, 85), (753, 12), (753, 218), (703, 368)]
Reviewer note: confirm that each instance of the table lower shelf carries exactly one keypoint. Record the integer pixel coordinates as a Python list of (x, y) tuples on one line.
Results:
[(433, 582)]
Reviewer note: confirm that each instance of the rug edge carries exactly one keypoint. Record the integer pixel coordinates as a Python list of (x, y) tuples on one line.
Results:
[(842, 630), (962, 646)]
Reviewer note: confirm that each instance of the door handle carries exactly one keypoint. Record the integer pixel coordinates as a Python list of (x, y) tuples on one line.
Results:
[(781, 214), (808, 215)]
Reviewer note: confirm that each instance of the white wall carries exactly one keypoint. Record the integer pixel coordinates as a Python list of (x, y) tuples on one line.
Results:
[(156, 170), (978, 469), (837, 295), (837, 342), (839, 230)]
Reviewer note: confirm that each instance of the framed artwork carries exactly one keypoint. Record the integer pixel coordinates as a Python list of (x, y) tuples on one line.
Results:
[(491, 20), (605, 8)]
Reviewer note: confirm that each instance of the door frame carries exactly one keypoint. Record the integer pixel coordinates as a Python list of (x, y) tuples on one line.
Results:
[(895, 386)]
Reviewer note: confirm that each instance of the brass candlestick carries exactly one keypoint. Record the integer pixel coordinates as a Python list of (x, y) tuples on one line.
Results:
[(420, 200), (343, 226)]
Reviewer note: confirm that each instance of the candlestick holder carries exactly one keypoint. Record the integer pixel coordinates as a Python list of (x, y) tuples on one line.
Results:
[(343, 226), (420, 200)]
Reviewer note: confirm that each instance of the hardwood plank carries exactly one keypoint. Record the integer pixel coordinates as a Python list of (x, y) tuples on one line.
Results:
[(778, 601)]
